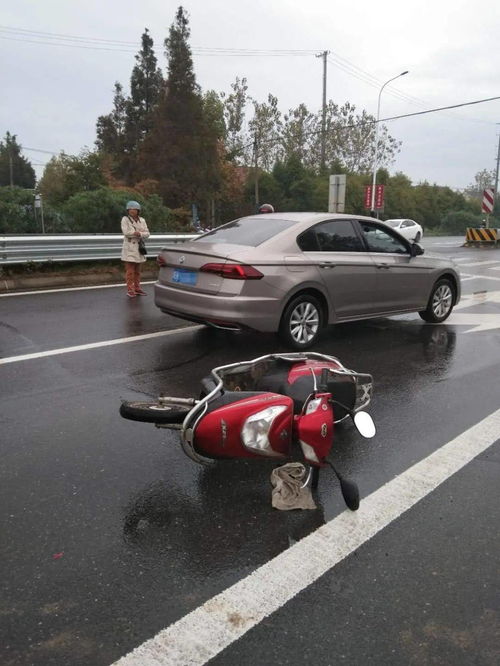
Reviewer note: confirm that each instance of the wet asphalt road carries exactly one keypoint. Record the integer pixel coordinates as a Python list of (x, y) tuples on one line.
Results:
[(109, 534)]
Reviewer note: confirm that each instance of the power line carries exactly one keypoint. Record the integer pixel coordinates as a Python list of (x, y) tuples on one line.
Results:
[(441, 108), (39, 150), (58, 39), (394, 92)]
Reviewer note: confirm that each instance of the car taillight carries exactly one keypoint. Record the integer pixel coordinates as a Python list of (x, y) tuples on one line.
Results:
[(233, 271), (160, 260)]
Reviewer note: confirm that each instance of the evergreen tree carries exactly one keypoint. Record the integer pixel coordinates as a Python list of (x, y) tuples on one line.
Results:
[(146, 83), (111, 139), (181, 149), (15, 169)]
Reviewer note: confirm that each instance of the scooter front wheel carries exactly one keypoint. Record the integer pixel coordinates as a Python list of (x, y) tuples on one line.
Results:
[(154, 412)]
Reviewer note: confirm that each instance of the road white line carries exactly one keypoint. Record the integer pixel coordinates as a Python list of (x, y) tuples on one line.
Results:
[(466, 276), (203, 633), (480, 263), (53, 291), (97, 345)]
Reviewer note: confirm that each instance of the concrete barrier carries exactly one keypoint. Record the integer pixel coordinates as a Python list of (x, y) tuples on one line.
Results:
[(481, 236)]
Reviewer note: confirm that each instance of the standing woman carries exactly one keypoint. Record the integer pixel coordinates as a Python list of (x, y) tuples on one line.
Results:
[(134, 228)]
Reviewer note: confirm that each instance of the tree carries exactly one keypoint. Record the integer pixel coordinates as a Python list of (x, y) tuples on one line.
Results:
[(298, 128), (65, 175), (234, 115), (482, 180), (145, 87), (265, 130), (111, 128), (15, 169), (181, 147)]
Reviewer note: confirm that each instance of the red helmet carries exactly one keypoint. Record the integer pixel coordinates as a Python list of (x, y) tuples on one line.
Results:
[(266, 208)]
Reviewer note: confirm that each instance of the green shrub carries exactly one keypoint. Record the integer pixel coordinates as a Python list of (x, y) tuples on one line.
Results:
[(456, 222), (100, 211)]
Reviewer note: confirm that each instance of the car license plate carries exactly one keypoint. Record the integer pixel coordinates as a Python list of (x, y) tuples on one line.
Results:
[(183, 276)]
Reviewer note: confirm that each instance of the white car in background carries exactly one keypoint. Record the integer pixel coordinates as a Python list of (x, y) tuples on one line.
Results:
[(407, 228)]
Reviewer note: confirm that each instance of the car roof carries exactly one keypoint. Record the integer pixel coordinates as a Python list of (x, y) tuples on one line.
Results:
[(310, 217)]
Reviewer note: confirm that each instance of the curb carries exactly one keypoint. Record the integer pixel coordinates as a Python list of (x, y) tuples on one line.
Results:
[(34, 282)]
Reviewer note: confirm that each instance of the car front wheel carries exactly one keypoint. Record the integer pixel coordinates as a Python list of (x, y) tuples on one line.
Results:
[(301, 322), (440, 302)]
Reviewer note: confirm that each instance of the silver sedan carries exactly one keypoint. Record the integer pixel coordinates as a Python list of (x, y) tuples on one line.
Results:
[(294, 273)]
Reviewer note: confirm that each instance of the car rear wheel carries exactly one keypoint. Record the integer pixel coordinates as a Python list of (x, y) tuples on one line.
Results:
[(301, 322), (418, 237), (440, 302)]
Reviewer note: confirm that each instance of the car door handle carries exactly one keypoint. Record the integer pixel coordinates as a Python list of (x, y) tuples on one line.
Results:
[(327, 264), (383, 266)]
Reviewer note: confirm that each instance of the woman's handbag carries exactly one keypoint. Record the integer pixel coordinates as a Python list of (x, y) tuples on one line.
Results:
[(142, 244)]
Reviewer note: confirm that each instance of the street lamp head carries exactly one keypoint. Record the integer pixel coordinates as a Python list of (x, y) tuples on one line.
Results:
[(403, 73)]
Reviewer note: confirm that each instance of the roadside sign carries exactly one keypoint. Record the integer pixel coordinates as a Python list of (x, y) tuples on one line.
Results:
[(368, 197), (379, 197), (488, 201), (38, 201), (336, 194)]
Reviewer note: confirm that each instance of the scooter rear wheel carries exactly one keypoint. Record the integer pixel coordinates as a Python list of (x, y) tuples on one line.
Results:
[(153, 412)]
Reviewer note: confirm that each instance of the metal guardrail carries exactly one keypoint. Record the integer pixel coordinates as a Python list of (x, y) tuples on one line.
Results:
[(77, 247)]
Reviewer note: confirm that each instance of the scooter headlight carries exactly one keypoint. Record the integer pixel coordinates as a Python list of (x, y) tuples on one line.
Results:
[(256, 429)]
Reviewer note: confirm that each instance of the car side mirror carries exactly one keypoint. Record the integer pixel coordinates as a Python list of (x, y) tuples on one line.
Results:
[(416, 250)]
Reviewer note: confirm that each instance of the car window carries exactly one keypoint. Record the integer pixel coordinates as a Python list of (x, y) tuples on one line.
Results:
[(308, 241), (379, 240), (408, 223), (393, 223), (331, 236), (251, 231)]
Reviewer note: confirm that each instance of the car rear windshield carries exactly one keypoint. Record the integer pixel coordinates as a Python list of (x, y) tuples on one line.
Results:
[(251, 231)]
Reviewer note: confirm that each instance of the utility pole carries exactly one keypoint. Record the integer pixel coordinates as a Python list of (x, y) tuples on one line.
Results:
[(11, 169), (323, 55), (256, 170), (496, 174)]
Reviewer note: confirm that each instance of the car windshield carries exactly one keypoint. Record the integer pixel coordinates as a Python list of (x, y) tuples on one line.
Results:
[(393, 223), (251, 231)]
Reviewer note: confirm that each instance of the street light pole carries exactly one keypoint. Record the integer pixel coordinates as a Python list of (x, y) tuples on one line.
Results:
[(375, 160)]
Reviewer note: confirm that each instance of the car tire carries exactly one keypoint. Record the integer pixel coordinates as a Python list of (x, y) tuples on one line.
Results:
[(301, 322), (440, 302), (418, 237)]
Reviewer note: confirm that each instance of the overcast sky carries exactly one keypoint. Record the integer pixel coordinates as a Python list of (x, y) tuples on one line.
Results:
[(53, 94)]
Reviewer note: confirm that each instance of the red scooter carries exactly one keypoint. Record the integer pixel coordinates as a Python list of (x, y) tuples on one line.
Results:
[(268, 407)]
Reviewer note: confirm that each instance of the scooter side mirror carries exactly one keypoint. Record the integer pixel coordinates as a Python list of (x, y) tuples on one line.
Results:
[(365, 425)]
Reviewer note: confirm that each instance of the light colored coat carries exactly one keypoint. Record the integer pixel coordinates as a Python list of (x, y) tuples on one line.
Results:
[(130, 248)]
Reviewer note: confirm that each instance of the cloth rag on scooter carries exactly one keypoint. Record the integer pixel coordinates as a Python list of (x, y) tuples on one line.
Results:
[(288, 493)]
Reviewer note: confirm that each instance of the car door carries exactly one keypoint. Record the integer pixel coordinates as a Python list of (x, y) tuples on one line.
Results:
[(402, 281), (409, 229), (345, 267)]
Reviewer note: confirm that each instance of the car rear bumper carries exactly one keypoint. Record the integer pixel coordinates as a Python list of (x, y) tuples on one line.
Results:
[(229, 312)]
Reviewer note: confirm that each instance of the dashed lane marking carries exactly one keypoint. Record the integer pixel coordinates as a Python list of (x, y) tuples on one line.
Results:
[(97, 345), (205, 632)]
